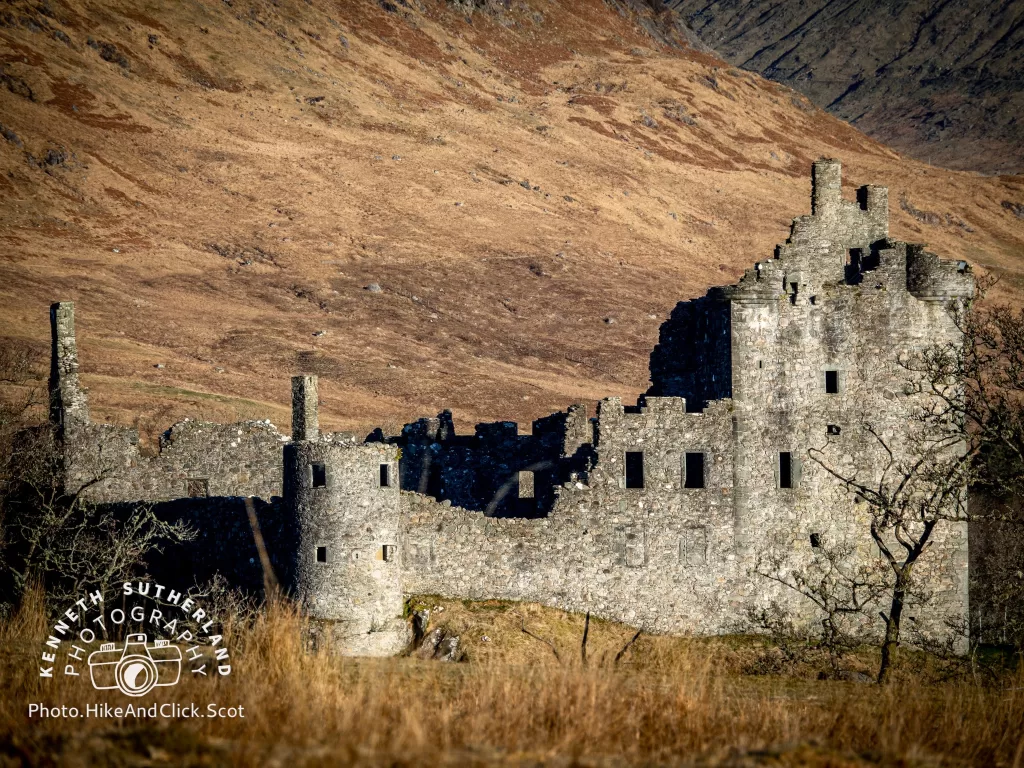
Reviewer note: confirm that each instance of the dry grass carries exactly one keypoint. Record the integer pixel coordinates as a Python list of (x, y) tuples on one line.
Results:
[(672, 701)]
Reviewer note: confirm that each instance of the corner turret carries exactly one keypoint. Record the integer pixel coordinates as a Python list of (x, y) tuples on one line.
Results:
[(930, 278), (345, 504)]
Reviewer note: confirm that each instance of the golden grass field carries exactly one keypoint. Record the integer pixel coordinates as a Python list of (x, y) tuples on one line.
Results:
[(671, 701), (235, 186)]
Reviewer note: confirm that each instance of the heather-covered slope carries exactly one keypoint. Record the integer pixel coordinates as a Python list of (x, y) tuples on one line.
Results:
[(939, 80), (492, 212)]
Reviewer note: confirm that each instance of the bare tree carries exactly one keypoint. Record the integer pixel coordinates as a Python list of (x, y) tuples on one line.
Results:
[(965, 428), (52, 533), (915, 487), (989, 411), (842, 587)]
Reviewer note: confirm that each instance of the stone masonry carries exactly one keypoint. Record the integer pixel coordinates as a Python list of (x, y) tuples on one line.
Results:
[(653, 514)]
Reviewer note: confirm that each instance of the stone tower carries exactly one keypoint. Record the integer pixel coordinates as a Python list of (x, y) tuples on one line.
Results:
[(346, 502), (816, 336)]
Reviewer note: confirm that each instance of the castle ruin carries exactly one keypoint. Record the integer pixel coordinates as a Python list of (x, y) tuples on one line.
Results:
[(652, 514)]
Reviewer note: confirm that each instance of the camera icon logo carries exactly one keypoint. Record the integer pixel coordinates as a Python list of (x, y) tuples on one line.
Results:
[(136, 668)]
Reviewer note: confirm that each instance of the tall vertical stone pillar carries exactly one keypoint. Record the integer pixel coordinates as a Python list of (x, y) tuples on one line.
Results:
[(305, 408), (826, 186), (69, 407)]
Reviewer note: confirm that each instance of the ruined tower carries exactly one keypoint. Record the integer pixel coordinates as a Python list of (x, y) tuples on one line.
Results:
[(346, 503)]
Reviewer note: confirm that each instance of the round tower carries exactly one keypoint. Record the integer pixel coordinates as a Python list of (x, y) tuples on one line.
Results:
[(345, 502)]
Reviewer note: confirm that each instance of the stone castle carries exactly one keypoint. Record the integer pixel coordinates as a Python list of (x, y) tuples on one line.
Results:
[(652, 514)]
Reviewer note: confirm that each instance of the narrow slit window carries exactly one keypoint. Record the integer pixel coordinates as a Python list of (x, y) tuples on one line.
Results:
[(832, 382), (785, 470), (388, 552), (319, 475), (434, 486), (693, 469), (321, 554), (634, 469), (816, 540), (385, 475)]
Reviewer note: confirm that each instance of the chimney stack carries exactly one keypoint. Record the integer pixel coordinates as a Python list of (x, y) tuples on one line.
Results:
[(826, 185), (305, 415), (69, 407)]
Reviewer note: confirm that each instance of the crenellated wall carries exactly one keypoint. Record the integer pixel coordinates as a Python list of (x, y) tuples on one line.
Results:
[(496, 470), (655, 556)]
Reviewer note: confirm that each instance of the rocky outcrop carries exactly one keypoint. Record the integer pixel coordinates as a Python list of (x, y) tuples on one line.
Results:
[(935, 79)]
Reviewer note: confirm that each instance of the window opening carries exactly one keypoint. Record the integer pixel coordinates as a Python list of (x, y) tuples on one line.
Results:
[(634, 469), (526, 488), (694, 471), (319, 476), (831, 382), (197, 488), (785, 470)]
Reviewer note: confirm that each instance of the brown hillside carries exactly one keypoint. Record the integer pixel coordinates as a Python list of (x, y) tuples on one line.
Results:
[(216, 182), (938, 80)]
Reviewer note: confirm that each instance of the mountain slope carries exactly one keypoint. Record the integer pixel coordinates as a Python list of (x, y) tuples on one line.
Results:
[(936, 79), (492, 212)]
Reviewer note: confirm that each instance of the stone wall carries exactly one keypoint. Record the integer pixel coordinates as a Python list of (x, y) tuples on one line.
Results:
[(225, 543), (802, 354), (784, 350), (656, 556), (693, 357), (496, 470), (195, 459)]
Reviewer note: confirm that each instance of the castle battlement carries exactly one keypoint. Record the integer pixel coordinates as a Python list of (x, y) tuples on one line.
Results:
[(652, 513)]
